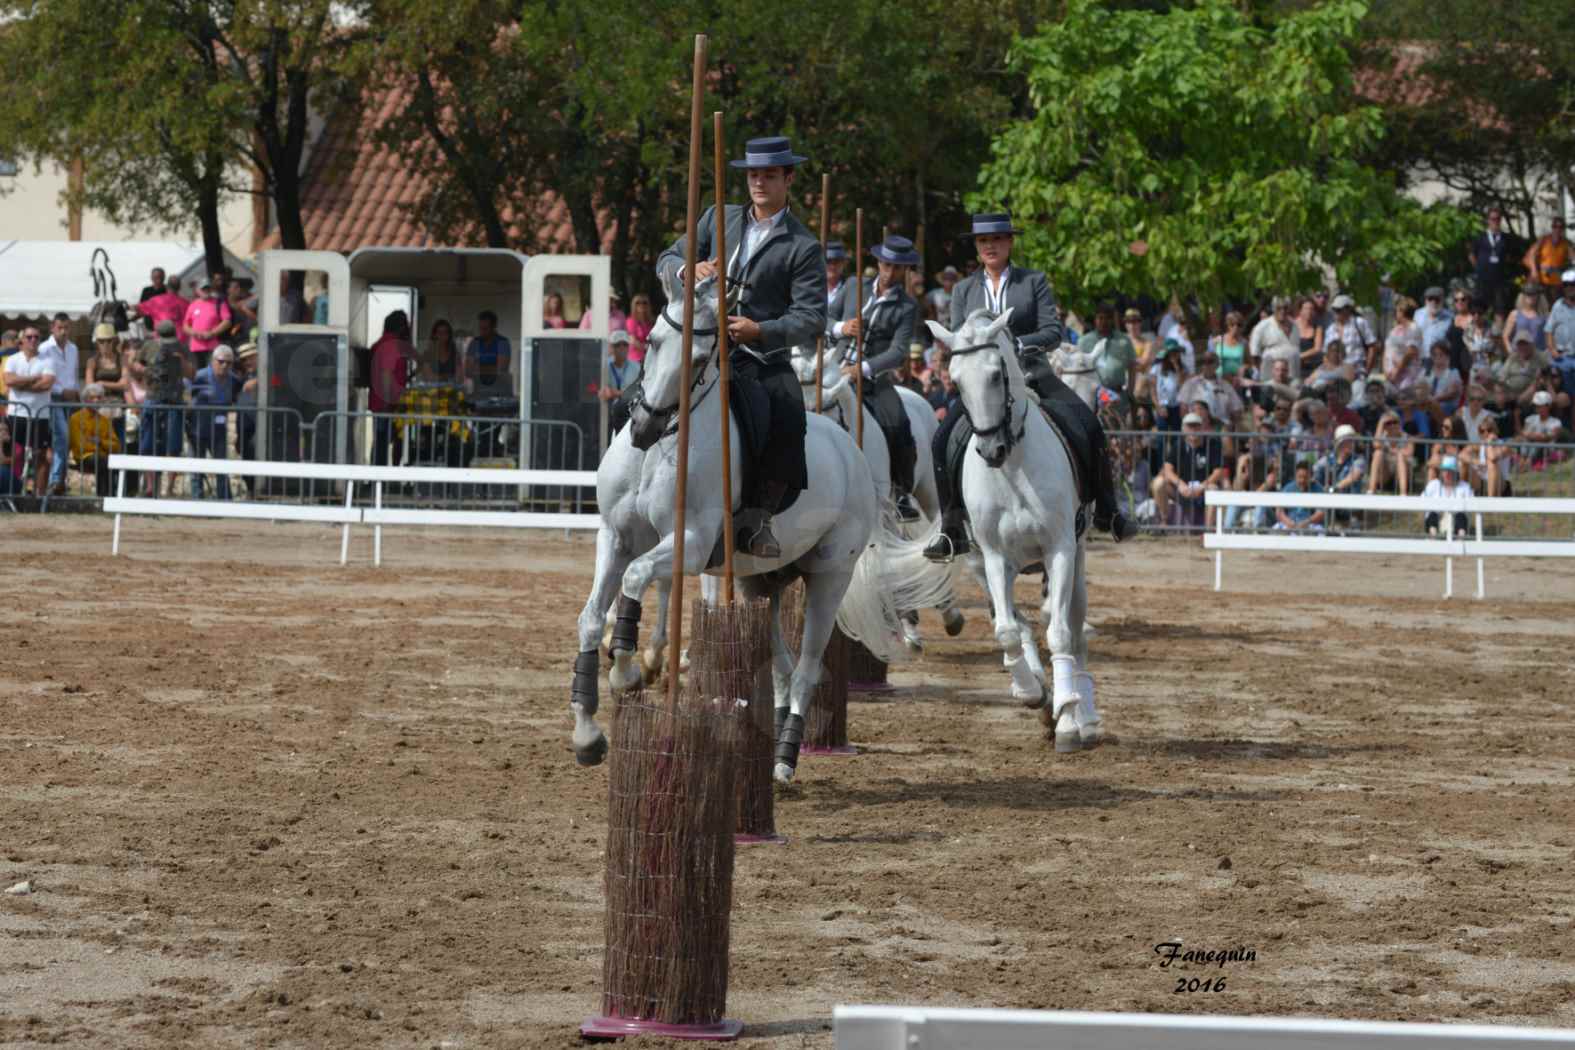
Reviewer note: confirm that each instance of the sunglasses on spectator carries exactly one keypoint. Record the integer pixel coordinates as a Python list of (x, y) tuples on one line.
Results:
[(31, 337)]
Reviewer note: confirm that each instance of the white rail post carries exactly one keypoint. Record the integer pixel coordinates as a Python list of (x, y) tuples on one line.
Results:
[(344, 541), (1449, 577), (1481, 577), (120, 492), (377, 529), (1219, 555)]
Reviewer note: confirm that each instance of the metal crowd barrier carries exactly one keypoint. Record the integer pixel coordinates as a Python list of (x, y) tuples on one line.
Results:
[(1531, 470)]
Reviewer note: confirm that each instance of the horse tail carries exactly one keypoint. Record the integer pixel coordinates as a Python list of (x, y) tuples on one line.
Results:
[(868, 614), (912, 580)]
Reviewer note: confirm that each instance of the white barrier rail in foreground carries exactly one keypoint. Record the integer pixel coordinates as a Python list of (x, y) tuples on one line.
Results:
[(1449, 548), (377, 515), (915, 1028)]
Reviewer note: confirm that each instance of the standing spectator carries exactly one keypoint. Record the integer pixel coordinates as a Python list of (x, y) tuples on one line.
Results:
[(1543, 427), (1323, 317), (1548, 258), (442, 362), (1447, 486), (1275, 337), (1142, 342), (160, 366), (1561, 331), (622, 371), (1165, 385), (208, 319), (1114, 355), (1207, 387), (30, 376), (1445, 386), (1490, 259), (1352, 329), (943, 396), (1392, 452), (642, 318), (213, 394), (392, 357), (1231, 346), (10, 481), (1174, 317), (155, 285), (243, 314), (1309, 334), (914, 373), (1434, 319), (64, 394), (167, 305), (107, 370), (10, 343), (552, 311), (1189, 466), (1471, 339), (616, 318), (246, 405), (292, 300), (93, 439), (489, 356), (940, 299), (1528, 319), (1301, 519)]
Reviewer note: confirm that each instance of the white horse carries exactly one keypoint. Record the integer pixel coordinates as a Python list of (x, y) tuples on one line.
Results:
[(838, 402), (825, 535), (1021, 493), (1078, 370)]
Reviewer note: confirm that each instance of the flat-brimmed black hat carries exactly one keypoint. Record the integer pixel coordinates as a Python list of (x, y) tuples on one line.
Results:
[(898, 251), (836, 250), (993, 222), (774, 152)]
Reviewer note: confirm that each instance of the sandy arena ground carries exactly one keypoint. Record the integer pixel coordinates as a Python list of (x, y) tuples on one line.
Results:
[(268, 801)]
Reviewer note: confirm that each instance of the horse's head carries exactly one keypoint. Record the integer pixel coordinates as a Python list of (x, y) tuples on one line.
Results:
[(662, 370), (828, 375), (983, 366)]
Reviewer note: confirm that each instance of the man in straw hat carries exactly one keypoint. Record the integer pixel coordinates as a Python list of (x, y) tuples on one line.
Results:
[(1036, 327), (887, 326), (777, 267)]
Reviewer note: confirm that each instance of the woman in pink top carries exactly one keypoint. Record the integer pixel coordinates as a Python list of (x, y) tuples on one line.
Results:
[(208, 318), (641, 320), (552, 311)]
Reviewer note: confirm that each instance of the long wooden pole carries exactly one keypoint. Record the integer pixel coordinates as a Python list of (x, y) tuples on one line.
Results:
[(675, 610), (858, 311), (723, 366), (820, 341)]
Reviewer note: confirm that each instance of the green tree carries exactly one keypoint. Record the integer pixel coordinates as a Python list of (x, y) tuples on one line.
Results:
[(1204, 151)]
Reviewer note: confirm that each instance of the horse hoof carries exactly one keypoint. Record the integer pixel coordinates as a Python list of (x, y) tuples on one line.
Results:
[(651, 668), (1033, 701), (1068, 737), (953, 621), (592, 754), (625, 673), (783, 773)]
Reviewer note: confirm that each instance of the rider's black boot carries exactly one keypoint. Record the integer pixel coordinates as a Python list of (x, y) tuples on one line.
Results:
[(953, 538), (1107, 516), (753, 534)]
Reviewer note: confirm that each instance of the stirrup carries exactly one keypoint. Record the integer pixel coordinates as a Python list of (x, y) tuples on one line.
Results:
[(758, 541), (907, 509), (954, 545)]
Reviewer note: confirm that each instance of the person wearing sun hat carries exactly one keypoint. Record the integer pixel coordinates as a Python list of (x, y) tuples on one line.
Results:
[(780, 272), (887, 322), (1447, 485), (1036, 328)]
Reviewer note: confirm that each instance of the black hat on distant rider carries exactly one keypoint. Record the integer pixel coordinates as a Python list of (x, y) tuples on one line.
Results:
[(991, 222), (836, 250), (898, 251), (774, 152)]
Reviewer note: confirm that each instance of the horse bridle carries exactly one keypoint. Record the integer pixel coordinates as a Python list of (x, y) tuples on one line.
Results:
[(671, 412), (1005, 423)]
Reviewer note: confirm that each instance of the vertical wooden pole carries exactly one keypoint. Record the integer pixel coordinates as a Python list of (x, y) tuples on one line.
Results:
[(858, 310), (724, 368), (675, 603), (924, 278), (820, 341)]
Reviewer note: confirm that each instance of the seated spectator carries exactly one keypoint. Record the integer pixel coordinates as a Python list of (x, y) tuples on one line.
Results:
[(1447, 485), (92, 437), (441, 361), (1403, 356), (488, 358), (1444, 383), (1344, 467), (1392, 452), (1451, 444), (551, 311), (1542, 428), (1189, 466), (1312, 431), (1412, 406), (10, 458), (215, 390), (1259, 469), (1300, 519), (1490, 460), (1217, 393), (1333, 367), (914, 370), (1516, 376), (1280, 386), (1336, 397), (1375, 402), (1475, 412)]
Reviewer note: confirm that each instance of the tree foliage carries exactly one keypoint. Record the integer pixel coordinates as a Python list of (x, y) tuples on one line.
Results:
[(1231, 144)]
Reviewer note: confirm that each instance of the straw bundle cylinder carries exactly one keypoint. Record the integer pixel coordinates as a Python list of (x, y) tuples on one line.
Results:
[(730, 657), (826, 727), (673, 805)]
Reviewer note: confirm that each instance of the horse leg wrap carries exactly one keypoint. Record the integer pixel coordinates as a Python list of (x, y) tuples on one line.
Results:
[(781, 717), (626, 628), (788, 740), (583, 689)]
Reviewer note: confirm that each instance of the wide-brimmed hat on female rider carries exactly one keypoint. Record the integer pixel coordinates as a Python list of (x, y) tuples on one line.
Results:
[(988, 223), (899, 251), (772, 152)]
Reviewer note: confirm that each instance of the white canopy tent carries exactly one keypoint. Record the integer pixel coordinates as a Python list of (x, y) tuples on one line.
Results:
[(41, 278)]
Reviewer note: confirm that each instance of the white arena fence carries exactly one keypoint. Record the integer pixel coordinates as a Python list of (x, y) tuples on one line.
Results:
[(347, 513), (918, 1028), (1469, 509)]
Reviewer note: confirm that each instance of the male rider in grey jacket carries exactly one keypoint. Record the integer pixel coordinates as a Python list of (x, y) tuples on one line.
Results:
[(777, 265)]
